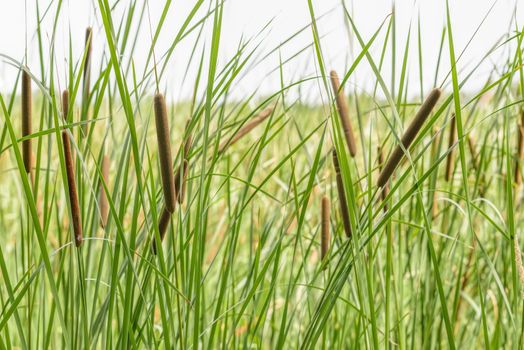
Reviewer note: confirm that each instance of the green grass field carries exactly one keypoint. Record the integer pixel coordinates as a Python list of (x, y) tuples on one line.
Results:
[(433, 263)]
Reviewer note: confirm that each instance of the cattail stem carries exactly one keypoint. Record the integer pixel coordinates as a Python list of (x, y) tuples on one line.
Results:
[(324, 238), (409, 136), (385, 190), (263, 115), (520, 154), (164, 152), (73, 195), (344, 210), (163, 223), (104, 205), (26, 120), (180, 181), (343, 112), (452, 139)]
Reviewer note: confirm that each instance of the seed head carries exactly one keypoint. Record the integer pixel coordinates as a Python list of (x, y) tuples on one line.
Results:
[(344, 211), (409, 136), (73, 195), (343, 112), (164, 152)]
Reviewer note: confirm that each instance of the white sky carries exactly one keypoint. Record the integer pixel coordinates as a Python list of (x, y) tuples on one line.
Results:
[(248, 17)]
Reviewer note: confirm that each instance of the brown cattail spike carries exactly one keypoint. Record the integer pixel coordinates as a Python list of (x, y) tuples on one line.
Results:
[(65, 104), (104, 205), (73, 196), (343, 112), (409, 136), (451, 141), (344, 211), (246, 128), (385, 190), (164, 152), (163, 222), (324, 238), (26, 120)]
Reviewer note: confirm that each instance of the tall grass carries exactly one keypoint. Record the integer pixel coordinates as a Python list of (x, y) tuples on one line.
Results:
[(269, 186)]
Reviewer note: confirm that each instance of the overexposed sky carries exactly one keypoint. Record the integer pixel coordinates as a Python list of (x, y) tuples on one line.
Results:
[(245, 19)]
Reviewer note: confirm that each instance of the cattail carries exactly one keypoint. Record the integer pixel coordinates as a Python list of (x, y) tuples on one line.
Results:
[(451, 142), (180, 181), (163, 222), (520, 152), (385, 190), (324, 238), (263, 115), (164, 152), (65, 104), (343, 112), (73, 196), (104, 205), (344, 211), (409, 136), (26, 120)]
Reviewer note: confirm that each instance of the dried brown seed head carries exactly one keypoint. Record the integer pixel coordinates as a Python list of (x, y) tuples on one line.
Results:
[(164, 152), (343, 112)]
